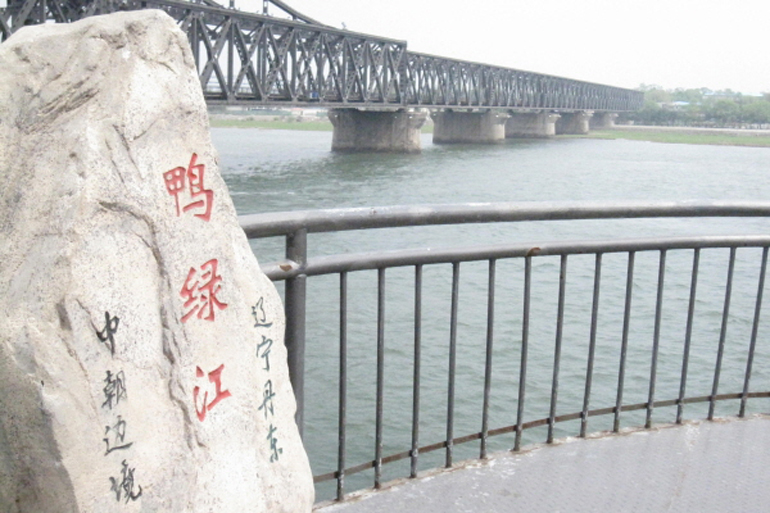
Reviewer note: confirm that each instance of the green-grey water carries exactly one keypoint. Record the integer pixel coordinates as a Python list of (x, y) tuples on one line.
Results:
[(287, 170)]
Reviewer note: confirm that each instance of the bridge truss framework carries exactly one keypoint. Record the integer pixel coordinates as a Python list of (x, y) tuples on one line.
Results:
[(255, 59)]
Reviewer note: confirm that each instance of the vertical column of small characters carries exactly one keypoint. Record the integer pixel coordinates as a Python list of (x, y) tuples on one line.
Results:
[(263, 351), (115, 438)]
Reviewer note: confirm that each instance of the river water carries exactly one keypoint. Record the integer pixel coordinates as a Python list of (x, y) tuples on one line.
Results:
[(275, 170)]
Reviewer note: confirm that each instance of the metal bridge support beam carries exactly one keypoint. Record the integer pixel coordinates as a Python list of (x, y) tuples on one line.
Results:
[(381, 131), (574, 122), (469, 127), (531, 124), (603, 120)]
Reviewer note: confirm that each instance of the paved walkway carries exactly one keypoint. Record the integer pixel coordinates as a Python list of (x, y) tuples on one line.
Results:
[(721, 466)]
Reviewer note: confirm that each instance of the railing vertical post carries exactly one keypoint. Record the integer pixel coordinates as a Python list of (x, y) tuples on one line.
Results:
[(557, 348), (343, 387), (591, 344), (524, 348), (688, 336), (754, 330), (722, 333), (624, 340), (656, 339), (450, 420), (378, 427), (488, 359), (295, 297), (417, 363)]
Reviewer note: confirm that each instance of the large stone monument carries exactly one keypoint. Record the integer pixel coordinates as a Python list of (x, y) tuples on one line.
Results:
[(142, 365)]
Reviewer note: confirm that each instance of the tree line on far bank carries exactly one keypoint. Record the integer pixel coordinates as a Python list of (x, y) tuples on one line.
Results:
[(702, 107)]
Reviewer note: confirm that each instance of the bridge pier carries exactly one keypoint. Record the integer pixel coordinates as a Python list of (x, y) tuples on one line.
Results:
[(603, 120), (376, 131), (574, 122), (531, 124), (468, 127)]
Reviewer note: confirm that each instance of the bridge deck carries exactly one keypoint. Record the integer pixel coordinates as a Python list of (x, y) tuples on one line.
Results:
[(704, 466)]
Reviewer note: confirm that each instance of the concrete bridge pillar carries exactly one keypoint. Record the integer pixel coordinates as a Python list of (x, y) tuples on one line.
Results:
[(376, 131), (574, 122), (531, 124), (603, 120), (468, 127)]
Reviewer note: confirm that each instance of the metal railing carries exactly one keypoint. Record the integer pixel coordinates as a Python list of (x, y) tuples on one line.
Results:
[(536, 381)]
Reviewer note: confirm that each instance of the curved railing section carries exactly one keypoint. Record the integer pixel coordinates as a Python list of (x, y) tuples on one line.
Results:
[(252, 59), (554, 382)]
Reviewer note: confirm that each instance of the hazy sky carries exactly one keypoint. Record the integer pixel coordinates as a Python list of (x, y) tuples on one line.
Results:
[(671, 43)]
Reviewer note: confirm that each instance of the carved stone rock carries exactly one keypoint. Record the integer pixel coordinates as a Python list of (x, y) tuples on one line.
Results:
[(142, 365)]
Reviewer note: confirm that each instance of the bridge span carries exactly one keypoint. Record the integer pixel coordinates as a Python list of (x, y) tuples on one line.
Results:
[(378, 91)]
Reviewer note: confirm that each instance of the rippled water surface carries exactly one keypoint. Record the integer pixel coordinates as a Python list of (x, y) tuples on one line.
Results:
[(287, 170)]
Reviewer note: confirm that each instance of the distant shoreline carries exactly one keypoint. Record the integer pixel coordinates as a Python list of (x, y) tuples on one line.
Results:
[(686, 135), (662, 134), (738, 132)]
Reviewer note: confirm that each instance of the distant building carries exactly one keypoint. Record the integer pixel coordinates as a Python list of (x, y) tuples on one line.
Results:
[(676, 105)]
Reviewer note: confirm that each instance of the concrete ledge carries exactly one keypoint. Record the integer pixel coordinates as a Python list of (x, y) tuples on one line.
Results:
[(699, 466)]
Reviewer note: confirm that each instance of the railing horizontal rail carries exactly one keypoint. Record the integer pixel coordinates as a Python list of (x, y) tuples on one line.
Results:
[(332, 220), (376, 260)]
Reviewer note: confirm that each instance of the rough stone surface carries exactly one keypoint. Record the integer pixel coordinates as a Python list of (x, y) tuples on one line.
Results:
[(469, 127), (142, 365), (376, 131), (531, 124)]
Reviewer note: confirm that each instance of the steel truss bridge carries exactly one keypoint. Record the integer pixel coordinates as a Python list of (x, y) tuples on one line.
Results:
[(264, 60)]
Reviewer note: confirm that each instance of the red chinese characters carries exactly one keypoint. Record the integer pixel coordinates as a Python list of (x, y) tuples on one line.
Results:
[(179, 179), (200, 291), (215, 377)]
